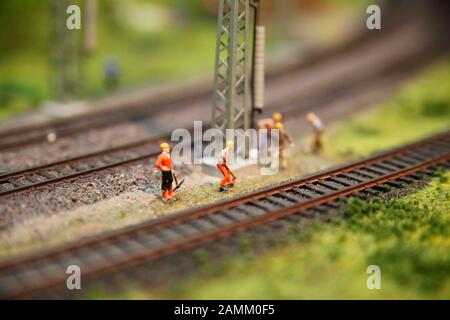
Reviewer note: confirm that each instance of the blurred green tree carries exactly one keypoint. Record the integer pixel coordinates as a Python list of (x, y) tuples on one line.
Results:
[(23, 24)]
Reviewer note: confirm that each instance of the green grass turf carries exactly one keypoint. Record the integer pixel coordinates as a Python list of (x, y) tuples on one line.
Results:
[(418, 109)]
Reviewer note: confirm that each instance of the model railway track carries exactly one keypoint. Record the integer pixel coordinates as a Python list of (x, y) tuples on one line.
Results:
[(188, 229), (376, 79)]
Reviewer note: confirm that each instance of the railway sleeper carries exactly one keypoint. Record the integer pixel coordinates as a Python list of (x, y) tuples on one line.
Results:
[(235, 215), (286, 195), (323, 187), (414, 156), (437, 148), (328, 185), (315, 190), (92, 258), (16, 183), (202, 224), (218, 219), (305, 193), (265, 205), (109, 251), (386, 166), (444, 144), (341, 182), (361, 175), (30, 276), (302, 193), (428, 150), (278, 201), (130, 245), (186, 229), (252, 209), (396, 164), (168, 235), (46, 175), (353, 176), (77, 167), (48, 270), (402, 160), (33, 179), (374, 171), (149, 240)]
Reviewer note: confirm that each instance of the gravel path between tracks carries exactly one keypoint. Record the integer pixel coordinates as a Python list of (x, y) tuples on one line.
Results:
[(129, 207), (70, 195)]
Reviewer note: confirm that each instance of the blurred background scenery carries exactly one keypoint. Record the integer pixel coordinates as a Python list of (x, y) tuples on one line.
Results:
[(135, 43)]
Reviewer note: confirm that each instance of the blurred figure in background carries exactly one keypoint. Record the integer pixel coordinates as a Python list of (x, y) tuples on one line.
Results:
[(269, 124), (111, 73), (318, 130), (284, 142)]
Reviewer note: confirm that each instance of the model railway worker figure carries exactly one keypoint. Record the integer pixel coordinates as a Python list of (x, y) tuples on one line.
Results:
[(164, 164), (269, 124), (285, 141), (222, 164), (318, 127)]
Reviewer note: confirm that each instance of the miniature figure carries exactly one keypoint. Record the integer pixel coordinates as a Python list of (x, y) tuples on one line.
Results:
[(318, 127), (164, 164), (226, 182), (269, 124), (284, 140)]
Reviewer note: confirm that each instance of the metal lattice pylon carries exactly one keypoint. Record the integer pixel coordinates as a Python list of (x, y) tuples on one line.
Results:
[(232, 96), (65, 55)]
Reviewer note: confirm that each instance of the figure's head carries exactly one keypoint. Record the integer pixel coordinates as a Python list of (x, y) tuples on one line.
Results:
[(277, 117), (279, 126), (230, 144), (311, 117), (165, 147)]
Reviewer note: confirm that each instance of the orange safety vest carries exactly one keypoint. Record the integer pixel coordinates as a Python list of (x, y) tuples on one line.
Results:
[(164, 161)]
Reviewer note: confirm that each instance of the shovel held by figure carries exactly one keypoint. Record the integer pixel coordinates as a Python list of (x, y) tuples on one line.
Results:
[(177, 182)]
